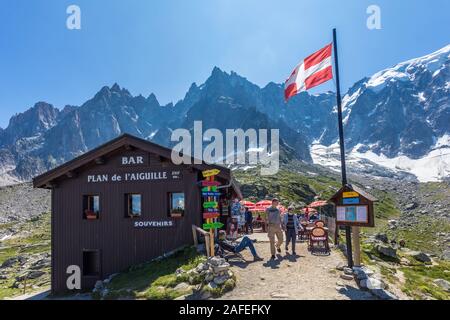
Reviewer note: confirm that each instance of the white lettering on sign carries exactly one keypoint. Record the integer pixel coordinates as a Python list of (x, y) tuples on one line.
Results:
[(153, 224), (98, 178), (144, 176), (132, 176), (132, 160)]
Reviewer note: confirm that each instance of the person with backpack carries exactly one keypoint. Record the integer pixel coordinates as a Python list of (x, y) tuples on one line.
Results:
[(291, 226)]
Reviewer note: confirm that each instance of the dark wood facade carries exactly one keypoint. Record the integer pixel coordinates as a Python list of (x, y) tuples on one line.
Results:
[(117, 239)]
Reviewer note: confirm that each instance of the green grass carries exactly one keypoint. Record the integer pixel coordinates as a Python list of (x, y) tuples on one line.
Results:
[(419, 281), (155, 280), (287, 185), (423, 235), (34, 239)]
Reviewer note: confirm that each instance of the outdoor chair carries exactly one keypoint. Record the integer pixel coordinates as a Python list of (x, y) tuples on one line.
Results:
[(225, 253), (319, 223), (318, 241)]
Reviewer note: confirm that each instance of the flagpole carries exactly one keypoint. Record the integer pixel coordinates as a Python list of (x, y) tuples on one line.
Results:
[(348, 234)]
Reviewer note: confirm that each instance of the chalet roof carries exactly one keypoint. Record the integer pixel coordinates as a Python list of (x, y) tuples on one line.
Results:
[(125, 140), (357, 189)]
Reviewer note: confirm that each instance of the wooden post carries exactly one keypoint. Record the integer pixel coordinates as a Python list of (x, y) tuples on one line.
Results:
[(357, 249), (194, 234), (208, 252)]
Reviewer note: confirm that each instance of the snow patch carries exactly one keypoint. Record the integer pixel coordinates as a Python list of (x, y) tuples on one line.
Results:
[(435, 166)]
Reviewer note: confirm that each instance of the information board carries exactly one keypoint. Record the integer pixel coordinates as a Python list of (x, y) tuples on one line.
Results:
[(352, 214)]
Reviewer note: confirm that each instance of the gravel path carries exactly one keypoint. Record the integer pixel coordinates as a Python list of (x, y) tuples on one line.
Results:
[(304, 277)]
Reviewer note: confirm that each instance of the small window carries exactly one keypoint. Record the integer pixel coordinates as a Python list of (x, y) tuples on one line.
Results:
[(133, 205), (91, 207), (91, 263), (176, 204)]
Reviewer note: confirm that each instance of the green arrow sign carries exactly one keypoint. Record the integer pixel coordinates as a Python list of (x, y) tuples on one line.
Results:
[(212, 204), (214, 225)]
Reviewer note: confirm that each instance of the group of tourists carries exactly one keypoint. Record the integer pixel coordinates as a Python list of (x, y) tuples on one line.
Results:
[(277, 225)]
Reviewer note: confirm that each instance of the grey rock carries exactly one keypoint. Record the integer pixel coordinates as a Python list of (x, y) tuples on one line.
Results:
[(347, 277), (386, 250), (383, 294), (446, 255), (382, 237), (348, 271), (183, 286), (221, 279), (372, 283), (444, 284), (9, 262), (422, 257)]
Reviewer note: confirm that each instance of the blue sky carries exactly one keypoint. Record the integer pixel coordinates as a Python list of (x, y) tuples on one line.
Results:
[(162, 46)]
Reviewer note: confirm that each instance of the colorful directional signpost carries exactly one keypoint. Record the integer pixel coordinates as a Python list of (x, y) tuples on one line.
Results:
[(211, 196)]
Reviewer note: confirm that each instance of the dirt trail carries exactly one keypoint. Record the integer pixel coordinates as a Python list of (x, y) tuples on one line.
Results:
[(304, 277)]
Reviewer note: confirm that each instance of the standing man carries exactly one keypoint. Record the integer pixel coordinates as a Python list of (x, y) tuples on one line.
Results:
[(274, 227), (291, 226), (248, 221)]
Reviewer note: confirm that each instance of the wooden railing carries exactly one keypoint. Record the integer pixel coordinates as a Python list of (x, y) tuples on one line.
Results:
[(196, 230)]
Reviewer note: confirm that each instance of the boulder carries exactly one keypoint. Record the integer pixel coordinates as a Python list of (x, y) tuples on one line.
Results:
[(386, 250), (348, 271), (444, 284), (446, 255), (422, 257), (183, 286), (209, 276), (9, 262), (346, 277), (383, 294), (372, 283), (359, 273), (216, 261), (221, 279), (382, 237), (221, 268), (35, 274)]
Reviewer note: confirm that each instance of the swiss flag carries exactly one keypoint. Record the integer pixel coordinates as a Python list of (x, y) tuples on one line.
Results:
[(314, 70)]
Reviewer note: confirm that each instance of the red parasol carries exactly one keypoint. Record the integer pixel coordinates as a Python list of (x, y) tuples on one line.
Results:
[(261, 205), (317, 204), (311, 210), (264, 203), (248, 204)]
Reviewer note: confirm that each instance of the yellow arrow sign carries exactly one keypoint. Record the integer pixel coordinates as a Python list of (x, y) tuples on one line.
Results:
[(210, 173), (350, 195)]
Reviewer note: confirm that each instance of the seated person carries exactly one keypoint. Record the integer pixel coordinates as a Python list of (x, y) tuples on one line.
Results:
[(238, 247), (313, 218)]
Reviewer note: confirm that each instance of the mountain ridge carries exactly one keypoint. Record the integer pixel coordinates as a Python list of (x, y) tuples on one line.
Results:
[(401, 111)]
